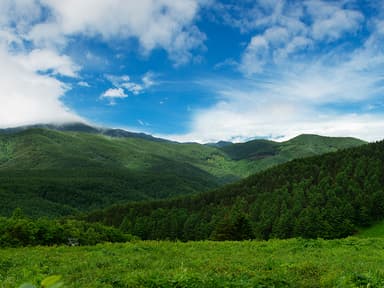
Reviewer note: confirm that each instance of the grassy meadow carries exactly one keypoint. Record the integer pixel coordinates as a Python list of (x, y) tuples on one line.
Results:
[(350, 262)]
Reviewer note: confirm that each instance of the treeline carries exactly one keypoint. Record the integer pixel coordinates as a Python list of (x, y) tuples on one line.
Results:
[(20, 230), (326, 196)]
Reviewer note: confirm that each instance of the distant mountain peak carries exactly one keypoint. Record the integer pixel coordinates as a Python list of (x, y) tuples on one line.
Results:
[(219, 144), (85, 128)]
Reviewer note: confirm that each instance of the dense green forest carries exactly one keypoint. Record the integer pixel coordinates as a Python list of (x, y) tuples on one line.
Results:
[(327, 196), (19, 230), (55, 172)]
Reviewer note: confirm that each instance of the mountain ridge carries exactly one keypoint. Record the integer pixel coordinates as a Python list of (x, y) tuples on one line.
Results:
[(88, 170), (83, 127)]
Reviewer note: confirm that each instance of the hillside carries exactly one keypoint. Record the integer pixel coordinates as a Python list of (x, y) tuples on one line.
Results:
[(265, 154), (59, 171), (327, 196)]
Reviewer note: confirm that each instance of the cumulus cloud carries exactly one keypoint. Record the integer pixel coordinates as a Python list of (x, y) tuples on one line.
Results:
[(155, 23), (49, 61), (28, 97), (284, 29), (114, 93)]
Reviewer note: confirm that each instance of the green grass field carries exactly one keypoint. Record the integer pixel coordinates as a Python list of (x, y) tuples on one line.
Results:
[(350, 262)]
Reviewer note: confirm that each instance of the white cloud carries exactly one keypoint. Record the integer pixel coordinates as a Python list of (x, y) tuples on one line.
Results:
[(148, 80), (28, 97), (34, 34), (255, 56), (162, 24), (331, 20), (29, 90), (134, 88), (239, 127), (83, 84), (114, 93), (49, 61), (18, 15), (124, 83), (281, 32), (309, 96)]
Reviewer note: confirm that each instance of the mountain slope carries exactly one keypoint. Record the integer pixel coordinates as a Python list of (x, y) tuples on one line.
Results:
[(265, 154), (327, 196), (81, 127), (56, 172)]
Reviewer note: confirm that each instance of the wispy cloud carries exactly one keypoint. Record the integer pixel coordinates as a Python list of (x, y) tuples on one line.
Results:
[(83, 84), (123, 85)]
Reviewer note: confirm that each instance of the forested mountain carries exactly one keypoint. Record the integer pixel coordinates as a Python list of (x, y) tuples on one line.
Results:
[(82, 127), (58, 170), (326, 196)]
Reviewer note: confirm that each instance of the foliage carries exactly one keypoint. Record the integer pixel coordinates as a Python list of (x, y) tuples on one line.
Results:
[(49, 282), (342, 263), (19, 230), (326, 196)]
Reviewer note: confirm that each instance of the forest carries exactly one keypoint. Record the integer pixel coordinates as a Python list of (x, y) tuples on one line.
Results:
[(20, 230), (328, 196), (158, 190)]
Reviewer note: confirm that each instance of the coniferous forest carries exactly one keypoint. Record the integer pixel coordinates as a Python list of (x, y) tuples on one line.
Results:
[(328, 196)]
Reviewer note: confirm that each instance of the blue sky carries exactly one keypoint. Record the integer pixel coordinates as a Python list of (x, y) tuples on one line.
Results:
[(196, 70)]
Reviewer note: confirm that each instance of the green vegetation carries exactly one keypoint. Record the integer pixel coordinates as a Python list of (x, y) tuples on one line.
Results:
[(328, 196), (374, 231), (264, 154), (19, 230), (348, 263), (52, 173)]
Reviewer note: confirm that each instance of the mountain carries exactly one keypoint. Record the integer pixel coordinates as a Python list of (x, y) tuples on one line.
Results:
[(327, 196), (270, 153), (82, 127), (220, 144), (57, 170)]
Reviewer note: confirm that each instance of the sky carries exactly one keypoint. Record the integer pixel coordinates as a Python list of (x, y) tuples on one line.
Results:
[(196, 70)]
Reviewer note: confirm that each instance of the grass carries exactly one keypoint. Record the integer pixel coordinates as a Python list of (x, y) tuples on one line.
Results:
[(374, 231), (350, 262)]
